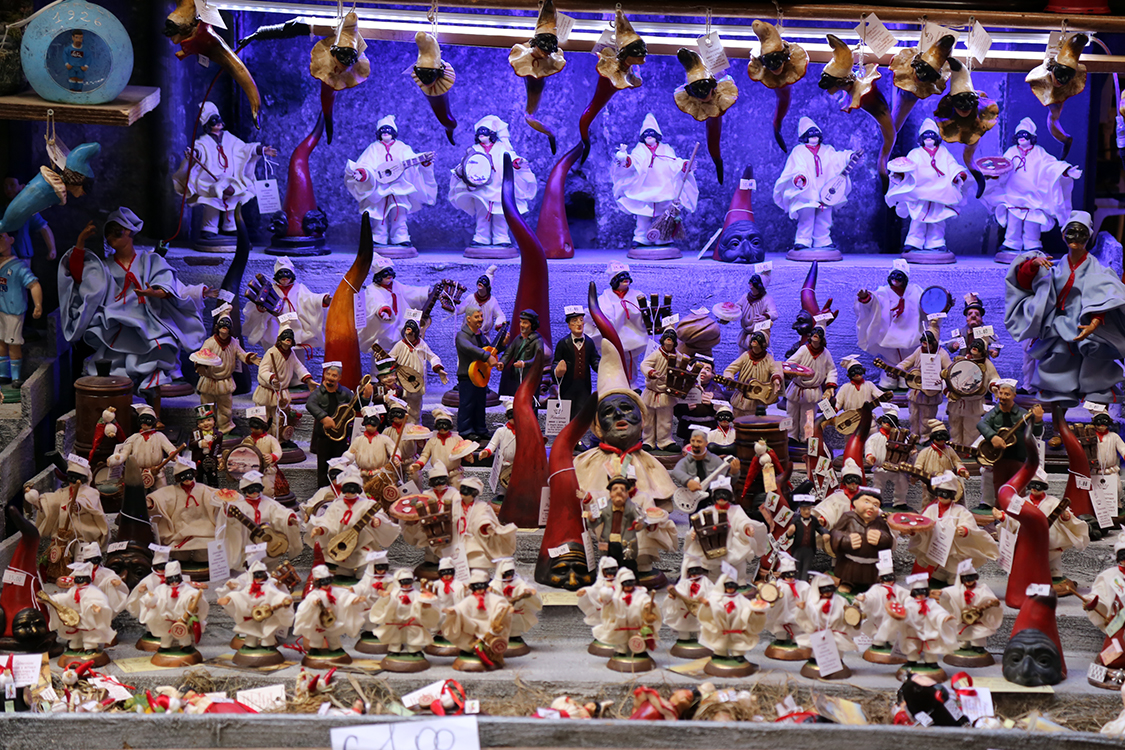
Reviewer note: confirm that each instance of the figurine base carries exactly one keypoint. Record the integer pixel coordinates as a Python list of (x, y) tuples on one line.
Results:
[(405, 662), (177, 657), (148, 643), (787, 651), (469, 662), (216, 245), (99, 657), (298, 247), (970, 658), (883, 655), (517, 646), (929, 257), (722, 666), (324, 658), (396, 252), (933, 671), (175, 390), (655, 252), (1006, 255), (812, 671), (206, 260), (808, 254), (689, 649), (492, 251), (294, 455), (452, 399), (652, 579), (597, 648), (289, 500), (237, 642), (632, 664), (197, 570), (369, 644), (440, 647), (263, 656)]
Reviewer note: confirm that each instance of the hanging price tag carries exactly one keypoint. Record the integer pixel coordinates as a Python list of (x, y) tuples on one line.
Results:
[(217, 561), (931, 372), (116, 547), (931, 33), (14, 577), (979, 42), (826, 652), (1103, 496), (563, 26), (876, 35), (558, 416), (269, 200), (588, 548), (1007, 549), (1054, 43), (711, 50), (1082, 482), (605, 41), (544, 505), (208, 13), (744, 184), (941, 542), (826, 409), (359, 310)]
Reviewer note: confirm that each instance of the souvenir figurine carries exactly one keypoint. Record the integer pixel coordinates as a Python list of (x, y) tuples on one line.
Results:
[(319, 502), (262, 324), (656, 533), (965, 114), (217, 173), (482, 299), (449, 592), (371, 450), (536, 60), (740, 241), (806, 531), (680, 609), (486, 539), (261, 612), (1002, 428), (403, 616), (919, 74), (977, 614), (706, 99), (857, 391), (615, 73), (857, 538), (439, 501), (399, 430), (656, 396), (376, 579), (186, 514), (622, 305), (68, 515), (781, 620), (50, 187), (804, 393), (926, 186), (107, 434), (757, 306), (277, 369), (126, 307), (502, 448), (216, 363), (755, 366), (890, 321), (778, 65), (390, 181), (435, 77), (877, 603), (648, 178), (1111, 449), (1074, 311), (724, 533), (110, 584), (630, 622), (721, 439), (148, 448), (474, 186), (924, 402), (525, 601), (15, 277), (699, 462), (576, 358), (964, 539), (615, 524), (965, 412), (1103, 607), (927, 631), (479, 625), (176, 613), (25, 629), (649, 705), (822, 609), (387, 303), (83, 617), (875, 456), (155, 577), (938, 457), (730, 624), (270, 522), (521, 352), (1067, 530), (592, 598), (1031, 196), (697, 408), (412, 353), (834, 506), (1058, 78), (329, 440), (471, 347), (266, 444), (352, 512), (440, 448), (814, 181), (325, 614), (338, 62)]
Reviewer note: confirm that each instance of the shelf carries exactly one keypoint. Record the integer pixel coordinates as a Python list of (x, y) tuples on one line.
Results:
[(133, 104)]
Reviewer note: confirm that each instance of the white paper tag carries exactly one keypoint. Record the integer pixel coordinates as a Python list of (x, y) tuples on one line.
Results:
[(876, 35), (547, 713), (26, 669), (544, 505), (826, 409), (744, 184), (472, 707), (605, 41), (558, 417), (728, 570), (941, 542), (783, 517), (823, 318), (424, 696), (763, 325), (1015, 505), (825, 651), (1054, 43), (324, 708), (209, 14), (256, 550), (823, 465), (936, 316), (588, 548), (1103, 496), (1082, 482), (771, 501), (669, 320), (563, 26), (268, 199), (460, 561), (981, 332), (1096, 672), (559, 551), (765, 266), (863, 642), (931, 33), (978, 706), (1039, 589), (711, 50), (217, 561), (265, 698), (160, 548), (14, 577), (931, 372), (113, 689), (359, 312), (48, 694), (979, 42), (226, 296), (1007, 549), (923, 718), (409, 488), (959, 341), (116, 547), (204, 61), (601, 502)]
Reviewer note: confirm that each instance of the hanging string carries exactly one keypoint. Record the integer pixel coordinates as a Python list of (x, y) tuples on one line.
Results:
[(862, 40), (432, 16), (968, 39), (707, 23)]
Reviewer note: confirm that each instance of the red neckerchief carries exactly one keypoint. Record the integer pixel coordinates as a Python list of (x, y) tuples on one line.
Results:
[(130, 278), (285, 293), (256, 589), (1020, 162), (815, 353), (898, 309), (146, 434), (510, 424), (394, 297), (409, 346), (328, 595), (404, 598), (610, 449), (255, 503), (448, 586), (78, 592), (849, 494), (387, 146), (694, 588), (933, 159), (652, 149), (968, 596), (73, 496), (480, 598), (481, 300), (757, 357), (624, 305), (1101, 435), (815, 156), (190, 498), (351, 504), (223, 161), (1121, 568), (628, 598), (1061, 304), (509, 589), (724, 431), (890, 589), (941, 510), (826, 606), (793, 587), (885, 430), (730, 606), (442, 438), (923, 606), (370, 437), (176, 591), (858, 384)]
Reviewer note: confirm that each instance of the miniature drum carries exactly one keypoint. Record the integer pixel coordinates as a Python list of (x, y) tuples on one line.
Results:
[(637, 644), (934, 300), (148, 479), (382, 485), (241, 459), (793, 370), (496, 645), (179, 630), (853, 615), (901, 165), (769, 592), (909, 522), (966, 378), (993, 166), (475, 170)]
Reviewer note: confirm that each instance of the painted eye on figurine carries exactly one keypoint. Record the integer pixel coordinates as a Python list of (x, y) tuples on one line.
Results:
[(774, 61)]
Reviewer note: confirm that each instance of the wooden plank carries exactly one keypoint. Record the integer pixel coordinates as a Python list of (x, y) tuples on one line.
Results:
[(133, 104)]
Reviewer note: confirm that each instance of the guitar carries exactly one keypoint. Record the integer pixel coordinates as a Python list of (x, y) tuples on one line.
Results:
[(409, 378), (913, 378), (390, 171), (688, 500), (344, 417), (481, 371), (846, 422), (1056, 514), (276, 544), (755, 390), (149, 475), (833, 192), (341, 547), (263, 612), (68, 616), (988, 454), (910, 469)]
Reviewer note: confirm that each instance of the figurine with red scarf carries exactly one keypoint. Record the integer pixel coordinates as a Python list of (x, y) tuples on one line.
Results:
[(265, 600), (656, 396), (890, 321)]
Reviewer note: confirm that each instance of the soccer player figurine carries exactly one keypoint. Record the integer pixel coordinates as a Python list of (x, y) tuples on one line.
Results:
[(176, 613), (927, 631), (680, 610), (730, 626), (630, 622), (15, 278), (977, 614), (261, 612), (327, 613), (479, 625), (877, 603), (525, 602), (403, 617), (890, 321)]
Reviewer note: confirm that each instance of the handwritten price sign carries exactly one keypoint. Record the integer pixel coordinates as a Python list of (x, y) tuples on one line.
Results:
[(448, 733)]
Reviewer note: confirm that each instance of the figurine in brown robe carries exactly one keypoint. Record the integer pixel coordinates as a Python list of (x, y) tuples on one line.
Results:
[(857, 538)]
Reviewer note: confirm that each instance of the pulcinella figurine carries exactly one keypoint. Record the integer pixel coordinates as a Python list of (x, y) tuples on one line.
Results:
[(261, 612)]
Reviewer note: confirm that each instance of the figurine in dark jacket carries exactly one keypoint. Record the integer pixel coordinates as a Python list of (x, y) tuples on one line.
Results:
[(576, 360), (804, 530), (518, 357)]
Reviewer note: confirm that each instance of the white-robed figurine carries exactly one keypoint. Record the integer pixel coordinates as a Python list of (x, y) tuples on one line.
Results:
[(1033, 195), (94, 628), (810, 166), (630, 622), (647, 179), (474, 185), (621, 304), (188, 514), (344, 512), (479, 626), (262, 511), (730, 624), (822, 609), (115, 590), (218, 172), (387, 190), (781, 620), (804, 393), (261, 328), (403, 618), (928, 189), (176, 613), (969, 541), (1067, 531), (324, 616), (386, 302), (889, 321), (260, 611), (525, 600), (680, 609), (745, 540), (976, 610), (486, 539), (927, 630), (71, 512), (877, 603)]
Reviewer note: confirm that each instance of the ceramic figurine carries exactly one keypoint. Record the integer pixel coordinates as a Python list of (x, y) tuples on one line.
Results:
[(755, 365), (83, 617), (325, 614), (371, 450), (877, 603), (431, 519), (536, 60), (615, 523), (441, 447), (706, 99), (814, 181), (927, 631), (857, 391), (187, 514), (400, 430), (521, 352), (965, 113), (110, 584), (474, 185), (126, 306), (486, 539), (721, 440), (889, 321), (754, 308), (938, 457), (482, 299), (435, 77), (926, 186), (323, 497), (217, 173), (155, 577), (630, 622), (835, 505), (656, 396), (648, 178), (449, 592), (804, 393), (390, 180), (15, 277), (1068, 531), (403, 616), (739, 239), (261, 612), (969, 541), (699, 462), (176, 613), (275, 524), (412, 353), (730, 624), (479, 626), (1032, 195), (622, 305), (279, 366), (51, 187), (576, 358), (1059, 77), (875, 456), (919, 74), (69, 514), (965, 412), (1074, 311), (806, 531), (1111, 449), (924, 402), (724, 533), (1103, 606), (352, 511), (593, 598), (338, 62), (268, 446), (857, 539), (261, 323), (387, 303), (778, 65), (680, 610), (329, 440), (822, 609), (656, 533), (1004, 417), (502, 448), (472, 347), (978, 614), (376, 579), (525, 601), (216, 363), (615, 73), (148, 447), (781, 620)]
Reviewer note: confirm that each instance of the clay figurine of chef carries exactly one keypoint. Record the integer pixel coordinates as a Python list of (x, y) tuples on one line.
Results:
[(928, 190), (730, 625), (647, 178), (799, 191), (977, 614), (327, 613), (474, 185), (403, 616)]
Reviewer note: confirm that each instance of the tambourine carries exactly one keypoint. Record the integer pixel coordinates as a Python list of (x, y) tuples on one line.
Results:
[(993, 166), (179, 630), (637, 644), (475, 169), (853, 616), (403, 508), (965, 377), (793, 370), (896, 608), (934, 299), (909, 522), (769, 592)]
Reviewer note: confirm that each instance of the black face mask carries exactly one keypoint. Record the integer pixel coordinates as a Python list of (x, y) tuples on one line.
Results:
[(1032, 659)]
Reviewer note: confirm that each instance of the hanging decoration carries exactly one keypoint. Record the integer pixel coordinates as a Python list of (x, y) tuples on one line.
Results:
[(706, 99), (839, 75), (919, 74), (779, 66), (435, 77), (339, 63), (1057, 79), (964, 115), (537, 60), (615, 72)]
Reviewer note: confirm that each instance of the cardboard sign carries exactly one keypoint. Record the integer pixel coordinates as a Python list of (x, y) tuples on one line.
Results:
[(1007, 549), (979, 42), (825, 651), (544, 505), (265, 698), (711, 50), (269, 200), (558, 416), (217, 561), (941, 542), (26, 669), (876, 35), (931, 372), (826, 409)]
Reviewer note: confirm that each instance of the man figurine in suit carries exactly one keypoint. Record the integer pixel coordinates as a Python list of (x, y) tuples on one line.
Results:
[(1006, 414), (470, 348), (576, 359)]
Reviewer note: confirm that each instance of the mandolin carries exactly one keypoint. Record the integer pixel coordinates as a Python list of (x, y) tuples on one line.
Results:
[(833, 192), (68, 616), (755, 390), (988, 454), (390, 171), (345, 415), (276, 544), (481, 371), (913, 378), (343, 545), (263, 612)]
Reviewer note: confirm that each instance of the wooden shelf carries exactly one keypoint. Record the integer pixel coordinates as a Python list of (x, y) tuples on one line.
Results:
[(133, 104)]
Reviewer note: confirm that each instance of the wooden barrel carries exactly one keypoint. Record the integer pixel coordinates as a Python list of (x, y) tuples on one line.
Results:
[(748, 431), (94, 394)]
